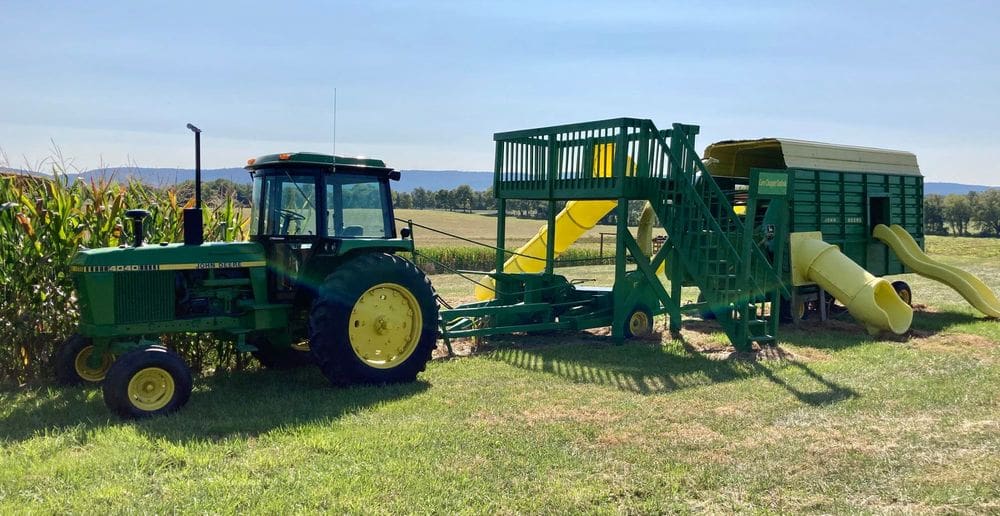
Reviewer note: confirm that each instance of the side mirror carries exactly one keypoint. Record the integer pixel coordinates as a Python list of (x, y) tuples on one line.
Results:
[(404, 233)]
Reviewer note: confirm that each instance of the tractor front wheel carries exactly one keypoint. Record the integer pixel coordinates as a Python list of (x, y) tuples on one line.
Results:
[(147, 382), (72, 362), (375, 320)]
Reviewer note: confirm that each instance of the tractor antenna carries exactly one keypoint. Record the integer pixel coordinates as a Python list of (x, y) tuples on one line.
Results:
[(335, 121)]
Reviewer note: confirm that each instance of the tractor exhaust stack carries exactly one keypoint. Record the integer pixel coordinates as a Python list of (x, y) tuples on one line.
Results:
[(193, 226)]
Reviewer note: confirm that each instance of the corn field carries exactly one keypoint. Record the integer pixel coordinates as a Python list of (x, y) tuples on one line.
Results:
[(444, 259), (44, 221)]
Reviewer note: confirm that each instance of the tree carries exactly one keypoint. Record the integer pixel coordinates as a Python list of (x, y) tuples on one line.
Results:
[(987, 211), (443, 200), (461, 198), (402, 200), (958, 212), (422, 199), (934, 214)]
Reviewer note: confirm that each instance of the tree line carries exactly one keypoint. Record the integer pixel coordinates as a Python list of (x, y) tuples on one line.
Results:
[(972, 214), (465, 199)]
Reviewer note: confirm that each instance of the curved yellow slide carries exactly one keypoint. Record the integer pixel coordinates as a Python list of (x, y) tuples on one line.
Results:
[(871, 300), (572, 222), (977, 293)]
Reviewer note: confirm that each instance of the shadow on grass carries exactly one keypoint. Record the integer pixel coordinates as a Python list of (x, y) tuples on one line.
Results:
[(651, 369), (936, 322), (222, 406)]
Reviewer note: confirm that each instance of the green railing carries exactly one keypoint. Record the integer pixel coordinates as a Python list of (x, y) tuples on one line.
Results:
[(617, 158)]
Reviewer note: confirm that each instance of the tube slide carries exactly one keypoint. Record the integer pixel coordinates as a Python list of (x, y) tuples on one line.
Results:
[(871, 300), (977, 293), (572, 222)]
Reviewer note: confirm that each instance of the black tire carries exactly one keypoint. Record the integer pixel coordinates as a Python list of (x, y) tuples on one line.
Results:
[(276, 357), (377, 277), (902, 288), (161, 378), (639, 323), (70, 362), (793, 314), (706, 314)]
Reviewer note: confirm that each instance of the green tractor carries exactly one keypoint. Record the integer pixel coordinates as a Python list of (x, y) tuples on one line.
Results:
[(319, 282)]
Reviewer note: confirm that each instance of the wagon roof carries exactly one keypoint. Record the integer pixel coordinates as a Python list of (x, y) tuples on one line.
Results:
[(736, 157)]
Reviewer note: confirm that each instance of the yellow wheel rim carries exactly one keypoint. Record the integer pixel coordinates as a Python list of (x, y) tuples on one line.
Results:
[(385, 325), (639, 324), (151, 389), (86, 372), (800, 310)]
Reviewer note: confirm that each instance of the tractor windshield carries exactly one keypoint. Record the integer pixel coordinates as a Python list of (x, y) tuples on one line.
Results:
[(286, 204), (339, 205)]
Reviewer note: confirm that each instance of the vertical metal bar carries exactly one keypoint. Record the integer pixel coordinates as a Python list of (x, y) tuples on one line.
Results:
[(501, 233), (550, 238), (620, 289)]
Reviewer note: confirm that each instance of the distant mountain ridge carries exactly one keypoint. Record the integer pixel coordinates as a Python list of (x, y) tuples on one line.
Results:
[(410, 179), (954, 188)]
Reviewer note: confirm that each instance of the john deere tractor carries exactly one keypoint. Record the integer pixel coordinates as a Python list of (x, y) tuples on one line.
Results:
[(319, 282)]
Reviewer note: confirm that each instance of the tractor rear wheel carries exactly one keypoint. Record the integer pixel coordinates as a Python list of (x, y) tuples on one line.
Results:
[(71, 362), (147, 382), (375, 320)]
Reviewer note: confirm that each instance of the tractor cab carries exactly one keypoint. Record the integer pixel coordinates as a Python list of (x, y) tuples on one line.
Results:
[(308, 205)]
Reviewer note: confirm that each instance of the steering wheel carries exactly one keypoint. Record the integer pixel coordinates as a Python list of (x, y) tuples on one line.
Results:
[(291, 215)]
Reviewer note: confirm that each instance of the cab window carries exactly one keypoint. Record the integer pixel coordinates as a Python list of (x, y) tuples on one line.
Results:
[(357, 207), (288, 204)]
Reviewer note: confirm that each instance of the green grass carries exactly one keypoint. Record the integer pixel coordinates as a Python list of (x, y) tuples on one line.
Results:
[(557, 423)]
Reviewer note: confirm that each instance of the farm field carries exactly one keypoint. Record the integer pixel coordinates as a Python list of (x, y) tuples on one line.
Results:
[(835, 421), (483, 228)]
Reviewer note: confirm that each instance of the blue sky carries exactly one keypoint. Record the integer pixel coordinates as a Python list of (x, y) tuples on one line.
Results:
[(426, 84)]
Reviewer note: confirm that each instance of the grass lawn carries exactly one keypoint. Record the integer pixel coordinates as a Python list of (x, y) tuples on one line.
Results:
[(836, 422)]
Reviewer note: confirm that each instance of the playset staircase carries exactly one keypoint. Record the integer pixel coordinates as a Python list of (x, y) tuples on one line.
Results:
[(716, 249)]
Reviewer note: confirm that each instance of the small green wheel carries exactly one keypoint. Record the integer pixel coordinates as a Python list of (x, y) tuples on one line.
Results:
[(902, 288), (639, 323), (147, 382), (71, 362), (706, 314)]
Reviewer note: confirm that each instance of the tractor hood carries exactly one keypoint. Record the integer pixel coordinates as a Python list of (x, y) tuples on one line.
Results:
[(216, 255)]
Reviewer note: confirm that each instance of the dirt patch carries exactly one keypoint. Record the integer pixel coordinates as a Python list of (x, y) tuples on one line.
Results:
[(951, 342)]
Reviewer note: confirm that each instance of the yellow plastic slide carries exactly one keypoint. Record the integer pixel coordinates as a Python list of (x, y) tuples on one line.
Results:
[(977, 293), (871, 300), (572, 222)]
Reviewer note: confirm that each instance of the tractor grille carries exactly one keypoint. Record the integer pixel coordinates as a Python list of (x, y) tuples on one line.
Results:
[(144, 297)]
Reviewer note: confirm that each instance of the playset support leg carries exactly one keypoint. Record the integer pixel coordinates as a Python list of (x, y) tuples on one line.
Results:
[(618, 293)]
